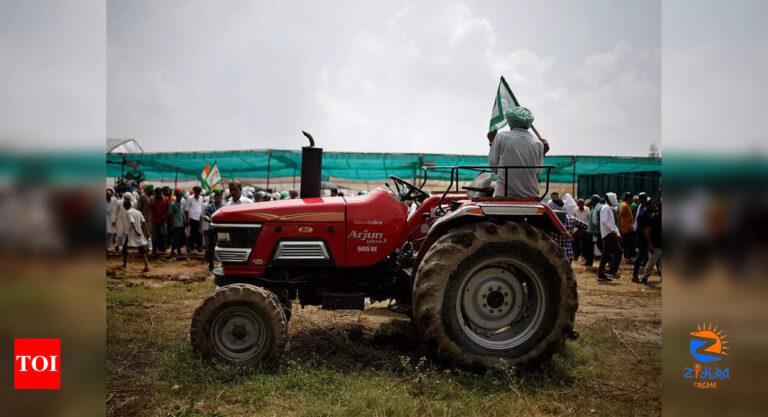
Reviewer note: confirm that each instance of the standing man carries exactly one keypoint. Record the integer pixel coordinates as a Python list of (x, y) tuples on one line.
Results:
[(626, 220), (194, 208), (642, 199), (111, 207), (176, 213), (652, 235), (582, 239), (217, 202), (573, 226), (611, 240), (144, 205), (236, 194), (553, 197), (642, 248), (135, 237), (158, 217), (120, 220), (517, 147), (594, 225)]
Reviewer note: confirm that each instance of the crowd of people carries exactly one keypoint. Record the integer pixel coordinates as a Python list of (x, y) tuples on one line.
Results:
[(158, 219), (153, 220), (630, 229)]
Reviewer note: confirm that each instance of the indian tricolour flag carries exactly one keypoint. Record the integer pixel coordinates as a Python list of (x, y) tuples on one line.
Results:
[(210, 179), (214, 178), (503, 101)]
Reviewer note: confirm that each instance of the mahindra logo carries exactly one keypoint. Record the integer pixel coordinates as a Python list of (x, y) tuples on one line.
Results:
[(37, 364)]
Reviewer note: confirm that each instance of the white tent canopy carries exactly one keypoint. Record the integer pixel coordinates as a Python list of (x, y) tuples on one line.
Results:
[(116, 145)]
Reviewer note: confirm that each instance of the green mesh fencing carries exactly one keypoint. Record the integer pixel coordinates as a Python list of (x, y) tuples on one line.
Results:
[(350, 165)]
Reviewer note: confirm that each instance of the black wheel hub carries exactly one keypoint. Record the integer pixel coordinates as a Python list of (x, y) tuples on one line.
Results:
[(495, 299), (239, 332)]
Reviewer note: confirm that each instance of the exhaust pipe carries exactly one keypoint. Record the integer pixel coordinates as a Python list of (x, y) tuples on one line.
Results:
[(311, 168)]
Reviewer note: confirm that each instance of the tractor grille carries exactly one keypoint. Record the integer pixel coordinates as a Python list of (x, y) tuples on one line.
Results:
[(232, 254), (295, 250)]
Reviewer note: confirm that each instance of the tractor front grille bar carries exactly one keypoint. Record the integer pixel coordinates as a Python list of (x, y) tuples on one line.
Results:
[(301, 250), (232, 254)]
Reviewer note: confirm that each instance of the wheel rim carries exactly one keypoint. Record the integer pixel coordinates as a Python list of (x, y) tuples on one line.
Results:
[(500, 303), (238, 333)]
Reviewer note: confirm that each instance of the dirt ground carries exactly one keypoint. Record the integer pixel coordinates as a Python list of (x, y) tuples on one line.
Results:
[(370, 363)]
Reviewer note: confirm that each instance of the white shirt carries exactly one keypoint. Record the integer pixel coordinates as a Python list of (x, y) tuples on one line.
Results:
[(121, 222), (517, 147), (607, 221), (111, 206), (194, 206), (134, 218), (582, 215), (242, 200)]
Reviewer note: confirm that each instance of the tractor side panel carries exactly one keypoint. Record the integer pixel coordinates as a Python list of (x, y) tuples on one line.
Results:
[(375, 225)]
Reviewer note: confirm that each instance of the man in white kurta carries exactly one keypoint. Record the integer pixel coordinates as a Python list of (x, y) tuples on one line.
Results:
[(135, 234), (120, 220), (110, 217), (611, 239)]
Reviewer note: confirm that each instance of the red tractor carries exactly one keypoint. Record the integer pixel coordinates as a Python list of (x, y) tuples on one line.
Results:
[(481, 277)]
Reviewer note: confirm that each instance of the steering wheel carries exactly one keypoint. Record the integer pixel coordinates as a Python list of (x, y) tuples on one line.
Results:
[(408, 191)]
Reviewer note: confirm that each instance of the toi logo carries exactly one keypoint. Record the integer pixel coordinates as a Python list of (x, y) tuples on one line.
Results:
[(37, 364)]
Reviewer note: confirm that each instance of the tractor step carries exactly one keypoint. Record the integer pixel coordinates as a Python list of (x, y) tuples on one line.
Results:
[(343, 301)]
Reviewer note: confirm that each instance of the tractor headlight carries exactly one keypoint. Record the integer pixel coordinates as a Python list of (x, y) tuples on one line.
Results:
[(236, 235), (223, 237)]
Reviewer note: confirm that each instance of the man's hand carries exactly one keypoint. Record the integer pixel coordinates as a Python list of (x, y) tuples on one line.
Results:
[(546, 144), (491, 136)]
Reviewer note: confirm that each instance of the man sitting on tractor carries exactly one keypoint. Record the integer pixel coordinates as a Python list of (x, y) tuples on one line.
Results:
[(517, 147)]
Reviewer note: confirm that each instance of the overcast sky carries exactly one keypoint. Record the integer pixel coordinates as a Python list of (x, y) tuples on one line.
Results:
[(395, 76), (390, 76)]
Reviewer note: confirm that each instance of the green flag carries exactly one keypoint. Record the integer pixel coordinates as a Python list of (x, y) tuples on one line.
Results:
[(503, 101), (203, 177)]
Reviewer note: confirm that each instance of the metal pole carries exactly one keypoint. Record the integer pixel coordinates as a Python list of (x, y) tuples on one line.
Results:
[(417, 171), (573, 189), (294, 179), (269, 163), (122, 173), (176, 180)]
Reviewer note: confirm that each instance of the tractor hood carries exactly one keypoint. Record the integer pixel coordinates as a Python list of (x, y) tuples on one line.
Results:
[(306, 210)]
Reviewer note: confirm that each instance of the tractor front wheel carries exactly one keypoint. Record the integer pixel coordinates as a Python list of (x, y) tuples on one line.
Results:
[(486, 292), (240, 323)]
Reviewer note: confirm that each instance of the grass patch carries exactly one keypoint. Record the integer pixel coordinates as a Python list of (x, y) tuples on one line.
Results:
[(409, 387), (353, 366)]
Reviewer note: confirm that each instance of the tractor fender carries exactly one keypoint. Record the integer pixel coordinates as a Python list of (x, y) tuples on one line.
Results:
[(538, 215)]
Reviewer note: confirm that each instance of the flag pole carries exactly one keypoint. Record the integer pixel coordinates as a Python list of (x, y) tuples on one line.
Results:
[(517, 104)]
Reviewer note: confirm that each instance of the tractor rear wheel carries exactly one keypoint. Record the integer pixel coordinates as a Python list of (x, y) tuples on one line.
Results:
[(240, 323), (488, 292)]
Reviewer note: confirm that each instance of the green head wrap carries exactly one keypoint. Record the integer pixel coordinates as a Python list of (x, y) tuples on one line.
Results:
[(519, 117)]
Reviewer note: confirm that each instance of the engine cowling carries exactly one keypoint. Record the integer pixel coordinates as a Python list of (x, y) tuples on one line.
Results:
[(355, 231)]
